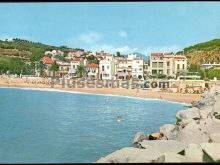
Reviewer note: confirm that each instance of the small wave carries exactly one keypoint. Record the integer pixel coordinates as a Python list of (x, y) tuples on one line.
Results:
[(111, 95)]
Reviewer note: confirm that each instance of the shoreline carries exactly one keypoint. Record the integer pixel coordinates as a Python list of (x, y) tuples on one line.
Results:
[(76, 92), (150, 94)]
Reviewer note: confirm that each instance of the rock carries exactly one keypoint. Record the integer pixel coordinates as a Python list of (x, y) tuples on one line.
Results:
[(163, 145), (170, 157), (191, 113), (139, 137), (214, 138), (194, 151), (184, 122), (192, 134), (130, 155), (216, 107), (209, 126), (206, 112), (169, 131), (212, 149)]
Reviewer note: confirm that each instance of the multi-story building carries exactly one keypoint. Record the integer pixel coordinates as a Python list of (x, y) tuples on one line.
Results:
[(167, 64), (146, 68), (107, 68), (64, 68), (137, 68), (74, 64), (92, 71), (124, 69)]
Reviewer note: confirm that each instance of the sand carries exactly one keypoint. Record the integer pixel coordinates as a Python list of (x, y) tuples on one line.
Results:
[(149, 93)]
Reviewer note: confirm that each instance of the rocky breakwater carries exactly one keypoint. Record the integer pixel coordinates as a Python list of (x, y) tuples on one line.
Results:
[(194, 138)]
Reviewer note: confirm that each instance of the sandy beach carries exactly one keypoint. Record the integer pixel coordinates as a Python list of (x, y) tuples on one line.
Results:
[(149, 93)]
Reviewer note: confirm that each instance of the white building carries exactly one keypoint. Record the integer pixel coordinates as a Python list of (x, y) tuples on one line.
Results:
[(74, 64), (124, 69), (107, 68), (137, 68)]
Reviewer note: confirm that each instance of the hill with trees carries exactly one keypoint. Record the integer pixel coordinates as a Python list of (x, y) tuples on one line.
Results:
[(203, 52), (27, 50)]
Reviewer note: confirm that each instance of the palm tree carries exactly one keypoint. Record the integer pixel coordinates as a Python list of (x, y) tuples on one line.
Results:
[(41, 67), (54, 67), (80, 70)]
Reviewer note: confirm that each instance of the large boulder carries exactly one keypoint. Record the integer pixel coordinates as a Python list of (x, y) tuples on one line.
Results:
[(139, 137), (169, 131), (170, 157), (214, 137), (131, 155), (212, 149), (206, 112), (194, 151), (191, 113), (192, 134), (216, 107), (209, 126), (184, 122), (163, 145)]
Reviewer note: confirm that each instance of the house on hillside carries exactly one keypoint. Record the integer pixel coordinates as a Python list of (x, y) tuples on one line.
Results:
[(47, 61)]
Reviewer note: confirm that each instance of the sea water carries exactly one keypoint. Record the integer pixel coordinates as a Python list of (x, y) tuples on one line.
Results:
[(57, 127)]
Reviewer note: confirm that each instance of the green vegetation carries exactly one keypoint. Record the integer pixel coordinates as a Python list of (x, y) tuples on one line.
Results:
[(203, 52), (11, 65), (92, 59), (54, 68), (80, 70), (205, 46), (33, 50), (41, 67)]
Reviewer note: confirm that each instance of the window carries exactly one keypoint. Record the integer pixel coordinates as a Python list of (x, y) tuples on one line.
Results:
[(73, 66), (103, 68), (154, 64), (183, 66), (160, 64), (154, 71), (140, 68), (168, 63), (178, 66), (168, 71), (160, 71), (137, 62), (107, 67)]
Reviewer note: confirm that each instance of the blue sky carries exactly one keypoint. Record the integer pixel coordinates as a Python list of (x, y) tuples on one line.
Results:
[(113, 26)]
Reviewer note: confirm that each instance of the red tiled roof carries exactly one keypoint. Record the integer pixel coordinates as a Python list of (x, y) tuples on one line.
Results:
[(47, 60), (180, 57), (92, 65), (157, 54), (77, 59)]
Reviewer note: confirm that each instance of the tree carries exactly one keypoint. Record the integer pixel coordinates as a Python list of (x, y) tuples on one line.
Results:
[(118, 54), (80, 70), (41, 67), (54, 67)]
